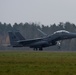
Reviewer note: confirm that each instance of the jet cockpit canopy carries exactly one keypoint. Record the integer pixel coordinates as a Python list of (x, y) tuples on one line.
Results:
[(61, 31)]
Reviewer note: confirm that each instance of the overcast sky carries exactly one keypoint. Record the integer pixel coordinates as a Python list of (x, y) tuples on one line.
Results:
[(39, 11)]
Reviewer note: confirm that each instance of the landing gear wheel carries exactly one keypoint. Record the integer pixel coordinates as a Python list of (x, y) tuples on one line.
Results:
[(59, 47), (40, 49)]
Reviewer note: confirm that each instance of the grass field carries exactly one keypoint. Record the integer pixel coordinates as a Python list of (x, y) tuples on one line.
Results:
[(37, 63)]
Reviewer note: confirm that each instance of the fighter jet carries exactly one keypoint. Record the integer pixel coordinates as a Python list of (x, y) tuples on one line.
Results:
[(17, 40)]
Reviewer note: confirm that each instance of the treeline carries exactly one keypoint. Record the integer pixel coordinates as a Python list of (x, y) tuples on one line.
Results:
[(29, 31)]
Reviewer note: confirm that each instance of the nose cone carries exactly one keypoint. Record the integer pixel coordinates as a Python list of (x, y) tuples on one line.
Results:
[(72, 35)]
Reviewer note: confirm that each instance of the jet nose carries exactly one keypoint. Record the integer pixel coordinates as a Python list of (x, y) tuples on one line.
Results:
[(73, 35)]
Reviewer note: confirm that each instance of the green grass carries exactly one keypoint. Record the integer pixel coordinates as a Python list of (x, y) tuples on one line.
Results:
[(37, 63)]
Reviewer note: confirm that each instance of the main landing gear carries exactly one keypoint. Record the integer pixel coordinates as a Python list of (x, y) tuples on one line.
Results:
[(36, 49), (40, 49)]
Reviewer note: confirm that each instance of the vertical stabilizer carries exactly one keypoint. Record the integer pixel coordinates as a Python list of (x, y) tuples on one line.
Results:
[(14, 37), (20, 37)]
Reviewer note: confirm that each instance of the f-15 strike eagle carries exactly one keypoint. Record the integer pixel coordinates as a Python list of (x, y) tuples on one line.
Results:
[(17, 40)]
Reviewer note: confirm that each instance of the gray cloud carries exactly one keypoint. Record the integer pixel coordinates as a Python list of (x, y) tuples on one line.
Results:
[(44, 11)]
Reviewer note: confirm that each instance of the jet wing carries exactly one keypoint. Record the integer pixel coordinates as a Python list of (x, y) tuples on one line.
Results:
[(29, 41)]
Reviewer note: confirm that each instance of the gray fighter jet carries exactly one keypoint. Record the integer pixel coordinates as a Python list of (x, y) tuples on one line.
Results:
[(17, 40)]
